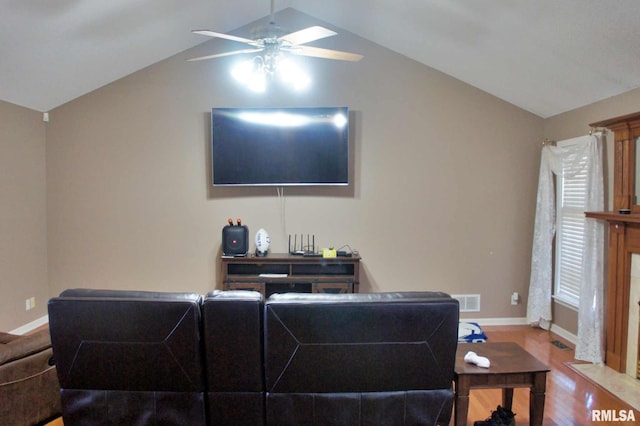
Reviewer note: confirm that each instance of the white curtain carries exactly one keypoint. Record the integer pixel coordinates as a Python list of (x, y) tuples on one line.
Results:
[(590, 344)]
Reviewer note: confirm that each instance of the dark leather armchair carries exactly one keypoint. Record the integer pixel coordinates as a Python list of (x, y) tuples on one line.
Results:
[(127, 357), (376, 359), (232, 331)]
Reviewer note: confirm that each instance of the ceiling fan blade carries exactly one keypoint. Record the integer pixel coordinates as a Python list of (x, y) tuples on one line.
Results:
[(318, 52), (225, 36), (307, 35), (220, 55)]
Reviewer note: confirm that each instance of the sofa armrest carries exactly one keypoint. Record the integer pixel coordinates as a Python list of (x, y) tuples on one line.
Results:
[(14, 347)]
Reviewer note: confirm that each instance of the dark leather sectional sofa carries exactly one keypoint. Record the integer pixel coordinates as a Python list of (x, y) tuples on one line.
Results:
[(230, 358)]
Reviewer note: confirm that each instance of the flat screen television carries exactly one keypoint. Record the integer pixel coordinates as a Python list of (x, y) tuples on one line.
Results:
[(280, 146)]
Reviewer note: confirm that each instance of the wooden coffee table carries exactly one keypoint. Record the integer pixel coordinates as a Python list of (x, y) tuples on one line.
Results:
[(511, 367)]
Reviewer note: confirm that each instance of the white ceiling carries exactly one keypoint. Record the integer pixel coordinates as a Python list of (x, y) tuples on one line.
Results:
[(546, 56)]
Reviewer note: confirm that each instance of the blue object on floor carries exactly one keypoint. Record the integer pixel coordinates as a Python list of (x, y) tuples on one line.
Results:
[(470, 332)]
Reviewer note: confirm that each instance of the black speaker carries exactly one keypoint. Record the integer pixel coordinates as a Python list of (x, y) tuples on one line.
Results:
[(235, 240)]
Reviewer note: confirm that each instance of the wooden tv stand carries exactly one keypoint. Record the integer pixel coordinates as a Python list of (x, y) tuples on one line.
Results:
[(283, 273)]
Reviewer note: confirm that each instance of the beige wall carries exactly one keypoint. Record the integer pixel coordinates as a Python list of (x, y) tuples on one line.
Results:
[(576, 123), (23, 249), (443, 192)]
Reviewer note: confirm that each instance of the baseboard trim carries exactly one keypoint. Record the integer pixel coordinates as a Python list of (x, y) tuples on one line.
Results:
[(522, 321), (564, 333), (31, 326), (497, 321)]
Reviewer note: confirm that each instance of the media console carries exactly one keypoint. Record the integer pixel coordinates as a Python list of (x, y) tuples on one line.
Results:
[(283, 273)]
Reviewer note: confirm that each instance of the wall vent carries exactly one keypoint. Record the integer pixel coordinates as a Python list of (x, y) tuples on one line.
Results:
[(468, 302)]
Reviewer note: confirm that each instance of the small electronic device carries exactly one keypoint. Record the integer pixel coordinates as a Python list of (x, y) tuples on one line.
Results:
[(304, 250), (329, 253), (235, 239)]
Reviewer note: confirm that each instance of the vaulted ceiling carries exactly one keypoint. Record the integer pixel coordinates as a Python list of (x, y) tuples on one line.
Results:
[(545, 56)]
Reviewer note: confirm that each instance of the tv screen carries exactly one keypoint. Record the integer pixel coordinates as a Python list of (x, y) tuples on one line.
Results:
[(280, 146)]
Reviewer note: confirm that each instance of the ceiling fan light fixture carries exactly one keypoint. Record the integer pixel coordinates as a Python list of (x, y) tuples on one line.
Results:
[(242, 71), (258, 83), (251, 73), (291, 74)]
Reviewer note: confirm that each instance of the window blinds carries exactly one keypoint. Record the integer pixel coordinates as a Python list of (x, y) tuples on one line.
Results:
[(571, 199)]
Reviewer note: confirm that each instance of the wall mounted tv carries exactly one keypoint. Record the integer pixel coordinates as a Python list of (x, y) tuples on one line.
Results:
[(280, 146)]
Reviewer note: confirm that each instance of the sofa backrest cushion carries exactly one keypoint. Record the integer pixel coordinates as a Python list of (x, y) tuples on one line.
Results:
[(232, 328), (121, 340), (380, 342), (232, 331)]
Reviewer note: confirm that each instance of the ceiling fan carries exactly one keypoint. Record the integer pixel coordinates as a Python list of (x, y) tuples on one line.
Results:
[(272, 39)]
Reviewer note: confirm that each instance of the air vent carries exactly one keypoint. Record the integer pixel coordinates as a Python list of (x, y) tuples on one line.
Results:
[(468, 302)]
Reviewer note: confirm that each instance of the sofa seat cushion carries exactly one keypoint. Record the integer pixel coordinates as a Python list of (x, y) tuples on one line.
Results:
[(103, 407), (375, 408)]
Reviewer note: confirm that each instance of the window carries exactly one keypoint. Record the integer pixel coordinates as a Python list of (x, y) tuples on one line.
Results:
[(571, 193)]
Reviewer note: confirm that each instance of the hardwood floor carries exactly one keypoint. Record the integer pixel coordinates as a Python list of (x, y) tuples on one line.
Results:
[(569, 398)]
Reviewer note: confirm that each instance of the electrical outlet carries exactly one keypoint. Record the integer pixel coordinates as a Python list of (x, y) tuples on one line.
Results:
[(30, 303), (515, 298)]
